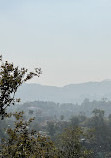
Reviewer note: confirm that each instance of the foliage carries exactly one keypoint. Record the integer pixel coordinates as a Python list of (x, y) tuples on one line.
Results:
[(70, 144), (24, 144), (102, 133), (11, 78), (51, 128), (74, 121), (62, 117)]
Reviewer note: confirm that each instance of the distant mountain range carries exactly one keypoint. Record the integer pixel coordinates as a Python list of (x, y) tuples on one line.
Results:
[(68, 94)]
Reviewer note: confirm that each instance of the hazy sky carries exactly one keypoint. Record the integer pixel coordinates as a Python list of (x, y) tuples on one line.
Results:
[(69, 39)]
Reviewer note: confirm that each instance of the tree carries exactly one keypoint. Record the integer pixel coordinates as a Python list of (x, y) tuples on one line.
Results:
[(62, 117), (51, 128), (74, 121), (21, 142), (102, 137), (24, 144), (11, 78), (70, 144)]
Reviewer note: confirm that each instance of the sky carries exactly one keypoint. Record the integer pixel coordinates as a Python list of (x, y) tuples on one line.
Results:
[(69, 39)]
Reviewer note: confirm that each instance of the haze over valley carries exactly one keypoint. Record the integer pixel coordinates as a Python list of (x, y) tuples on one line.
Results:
[(54, 57), (74, 93)]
